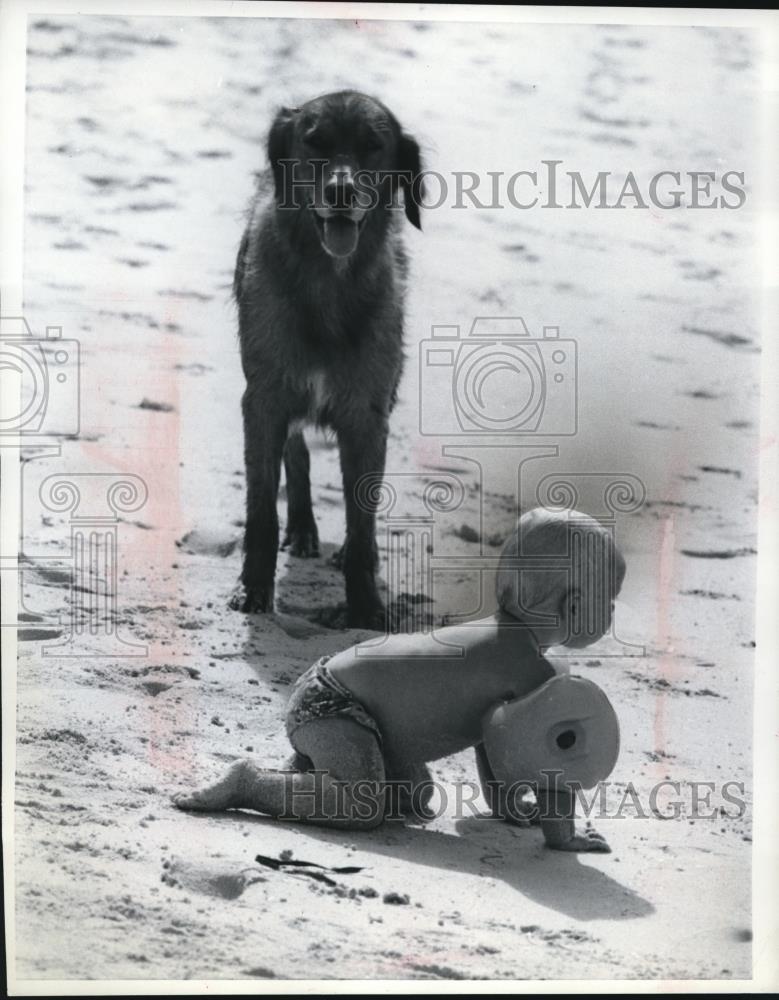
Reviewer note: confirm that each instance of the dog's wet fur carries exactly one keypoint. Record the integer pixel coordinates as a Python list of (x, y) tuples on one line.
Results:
[(319, 284)]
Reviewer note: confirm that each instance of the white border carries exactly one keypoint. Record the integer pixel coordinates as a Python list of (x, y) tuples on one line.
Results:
[(765, 856)]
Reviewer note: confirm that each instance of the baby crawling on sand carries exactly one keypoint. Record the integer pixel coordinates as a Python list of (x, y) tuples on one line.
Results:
[(371, 718)]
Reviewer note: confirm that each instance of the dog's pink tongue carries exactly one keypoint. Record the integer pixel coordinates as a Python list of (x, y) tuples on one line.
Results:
[(340, 236)]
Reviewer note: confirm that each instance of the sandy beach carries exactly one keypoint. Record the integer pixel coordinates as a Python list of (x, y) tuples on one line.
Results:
[(142, 139)]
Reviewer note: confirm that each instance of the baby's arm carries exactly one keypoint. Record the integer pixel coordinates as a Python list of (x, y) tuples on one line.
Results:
[(557, 809), (516, 811)]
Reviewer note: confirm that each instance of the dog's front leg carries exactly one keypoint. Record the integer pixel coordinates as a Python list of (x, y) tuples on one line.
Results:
[(264, 437), (301, 537), (363, 448)]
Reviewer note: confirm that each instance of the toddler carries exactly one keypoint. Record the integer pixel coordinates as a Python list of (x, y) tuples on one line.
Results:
[(362, 723)]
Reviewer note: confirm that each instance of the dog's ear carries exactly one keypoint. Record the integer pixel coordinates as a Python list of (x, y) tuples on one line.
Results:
[(279, 145), (410, 163)]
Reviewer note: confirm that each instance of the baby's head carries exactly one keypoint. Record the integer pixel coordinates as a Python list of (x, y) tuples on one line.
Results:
[(559, 573)]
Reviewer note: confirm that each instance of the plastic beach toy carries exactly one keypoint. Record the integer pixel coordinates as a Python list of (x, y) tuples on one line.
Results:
[(567, 726)]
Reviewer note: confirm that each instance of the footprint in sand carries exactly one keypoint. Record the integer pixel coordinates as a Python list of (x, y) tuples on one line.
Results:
[(209, 881)]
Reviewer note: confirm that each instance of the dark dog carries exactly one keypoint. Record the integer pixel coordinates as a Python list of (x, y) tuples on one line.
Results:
[(319, 286)]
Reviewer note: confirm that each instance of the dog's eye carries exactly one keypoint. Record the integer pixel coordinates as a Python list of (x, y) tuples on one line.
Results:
[(374, 142), (314, 140)]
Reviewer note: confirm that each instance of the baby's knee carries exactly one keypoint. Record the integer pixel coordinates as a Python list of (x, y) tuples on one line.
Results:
[(365, 806), (297, 762)]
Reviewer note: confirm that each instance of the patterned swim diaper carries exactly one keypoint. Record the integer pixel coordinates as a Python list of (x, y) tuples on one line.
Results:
[(318, 695)]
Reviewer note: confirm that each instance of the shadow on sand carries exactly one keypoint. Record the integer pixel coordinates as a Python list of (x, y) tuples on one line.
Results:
[(490, 849)]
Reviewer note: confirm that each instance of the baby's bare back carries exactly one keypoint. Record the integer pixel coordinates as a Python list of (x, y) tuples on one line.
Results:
[(429, 694)]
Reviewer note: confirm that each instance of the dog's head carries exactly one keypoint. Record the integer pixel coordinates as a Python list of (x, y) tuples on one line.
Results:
[(343, 157)]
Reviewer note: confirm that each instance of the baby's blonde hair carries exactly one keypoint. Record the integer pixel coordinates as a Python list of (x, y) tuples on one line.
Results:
[(551, 552)]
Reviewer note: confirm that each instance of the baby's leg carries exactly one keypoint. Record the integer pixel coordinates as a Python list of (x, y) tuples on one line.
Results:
[(344, 790), (411, 788), (346, 786)]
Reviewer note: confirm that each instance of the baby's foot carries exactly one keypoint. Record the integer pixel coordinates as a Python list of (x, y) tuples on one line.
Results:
[(225, 794)]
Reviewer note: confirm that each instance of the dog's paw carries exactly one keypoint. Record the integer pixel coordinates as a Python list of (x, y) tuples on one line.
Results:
[(251, 599), (302, 542)]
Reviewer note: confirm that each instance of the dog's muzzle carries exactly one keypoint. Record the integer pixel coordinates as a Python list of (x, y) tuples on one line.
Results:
[(339, 215)]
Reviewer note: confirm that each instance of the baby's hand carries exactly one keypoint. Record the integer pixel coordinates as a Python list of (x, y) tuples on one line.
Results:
[(590, 840)]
